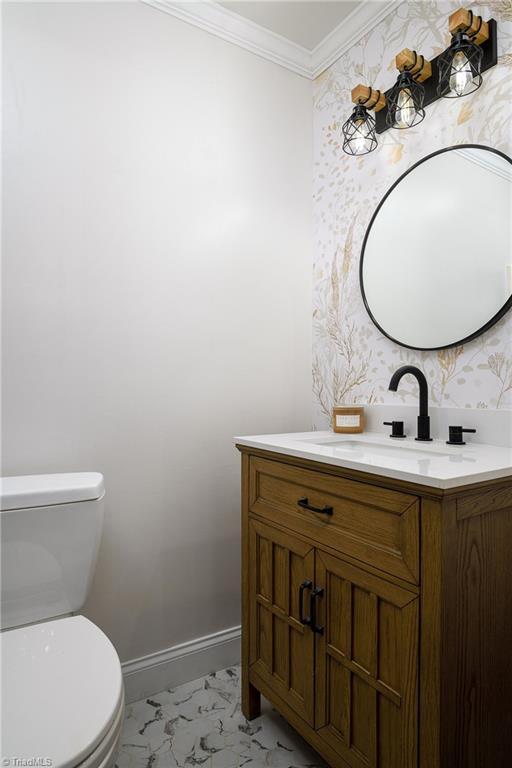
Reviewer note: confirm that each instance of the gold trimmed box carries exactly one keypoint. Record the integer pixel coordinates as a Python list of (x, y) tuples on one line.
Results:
[(348, 419)]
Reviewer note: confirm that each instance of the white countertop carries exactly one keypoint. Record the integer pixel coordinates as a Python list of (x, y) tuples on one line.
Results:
[(435, 464)]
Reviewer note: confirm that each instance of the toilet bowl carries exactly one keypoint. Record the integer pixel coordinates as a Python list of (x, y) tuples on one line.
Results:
[(62, 686), (62, 693)]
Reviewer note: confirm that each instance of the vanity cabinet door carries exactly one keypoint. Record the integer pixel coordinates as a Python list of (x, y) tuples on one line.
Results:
[(366, 666), (281, 646)]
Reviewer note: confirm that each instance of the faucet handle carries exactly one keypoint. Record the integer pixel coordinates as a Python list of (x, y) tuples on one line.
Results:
[(397, 428), (456, 434)]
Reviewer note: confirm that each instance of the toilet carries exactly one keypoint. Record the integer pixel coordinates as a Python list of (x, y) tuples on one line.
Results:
[(62, 687)]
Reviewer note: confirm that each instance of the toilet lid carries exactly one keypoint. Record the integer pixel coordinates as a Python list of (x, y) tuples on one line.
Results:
[(61, 690), (27, 491)]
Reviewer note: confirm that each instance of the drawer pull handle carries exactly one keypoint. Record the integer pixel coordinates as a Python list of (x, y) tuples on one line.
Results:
[(304, 503), (317, 592), (306, 620)]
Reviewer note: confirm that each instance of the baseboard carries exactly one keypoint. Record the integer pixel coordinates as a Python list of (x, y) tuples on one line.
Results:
[(155, 672)]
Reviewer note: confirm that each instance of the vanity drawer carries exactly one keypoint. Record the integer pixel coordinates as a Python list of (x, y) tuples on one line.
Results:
[(374, 525)]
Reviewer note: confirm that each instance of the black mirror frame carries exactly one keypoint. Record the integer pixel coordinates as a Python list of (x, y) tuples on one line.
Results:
[(504, 309)]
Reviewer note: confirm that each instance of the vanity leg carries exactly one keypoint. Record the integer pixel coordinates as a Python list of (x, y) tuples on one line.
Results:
[(251, 700)]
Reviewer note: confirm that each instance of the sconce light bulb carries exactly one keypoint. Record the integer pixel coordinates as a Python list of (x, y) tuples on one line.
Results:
[(405, 110), (361, 143), (461, 75)]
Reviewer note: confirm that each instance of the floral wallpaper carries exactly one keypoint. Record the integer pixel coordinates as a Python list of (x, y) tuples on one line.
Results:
[(352, 361)]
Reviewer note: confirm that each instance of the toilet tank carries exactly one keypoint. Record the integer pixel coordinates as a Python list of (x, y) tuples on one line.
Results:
[(50, 533)]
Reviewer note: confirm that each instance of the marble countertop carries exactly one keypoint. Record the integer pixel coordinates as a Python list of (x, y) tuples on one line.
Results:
[(434, 464)]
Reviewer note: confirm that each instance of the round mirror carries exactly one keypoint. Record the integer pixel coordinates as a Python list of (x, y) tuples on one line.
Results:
[(436, 263)]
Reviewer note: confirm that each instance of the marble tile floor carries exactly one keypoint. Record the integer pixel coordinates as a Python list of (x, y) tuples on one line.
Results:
[(200, 724)]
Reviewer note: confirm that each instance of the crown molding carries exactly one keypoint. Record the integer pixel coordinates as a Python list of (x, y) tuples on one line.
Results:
[(245, 33), (219, 21), (357, 24)]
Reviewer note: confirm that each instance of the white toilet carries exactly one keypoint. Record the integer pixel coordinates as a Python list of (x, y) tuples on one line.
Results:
[(62, 687)]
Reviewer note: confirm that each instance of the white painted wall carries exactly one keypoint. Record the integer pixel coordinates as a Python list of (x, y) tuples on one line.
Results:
[(157, 290)]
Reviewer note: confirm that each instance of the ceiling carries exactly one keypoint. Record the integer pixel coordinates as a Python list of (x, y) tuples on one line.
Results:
[(304, 36), (303, 22)]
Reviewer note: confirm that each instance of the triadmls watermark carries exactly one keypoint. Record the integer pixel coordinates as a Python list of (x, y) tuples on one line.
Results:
[(27, 762)]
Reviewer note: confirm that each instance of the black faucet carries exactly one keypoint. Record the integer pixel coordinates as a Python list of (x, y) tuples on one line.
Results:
[(423, 418)]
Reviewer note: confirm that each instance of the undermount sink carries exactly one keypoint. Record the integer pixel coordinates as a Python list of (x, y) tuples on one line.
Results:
[(379, 449)]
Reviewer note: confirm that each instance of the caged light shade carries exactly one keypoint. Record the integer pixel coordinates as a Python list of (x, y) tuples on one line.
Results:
[(405, 102), (359, 132), (459, 68)]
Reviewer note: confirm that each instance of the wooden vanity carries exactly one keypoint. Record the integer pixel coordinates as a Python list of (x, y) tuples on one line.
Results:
[(377, 613)]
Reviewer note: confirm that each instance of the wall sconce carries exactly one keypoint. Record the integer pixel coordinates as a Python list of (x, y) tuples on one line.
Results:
[(359, 130), (456, 72), (460, 65), (406, 97)]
